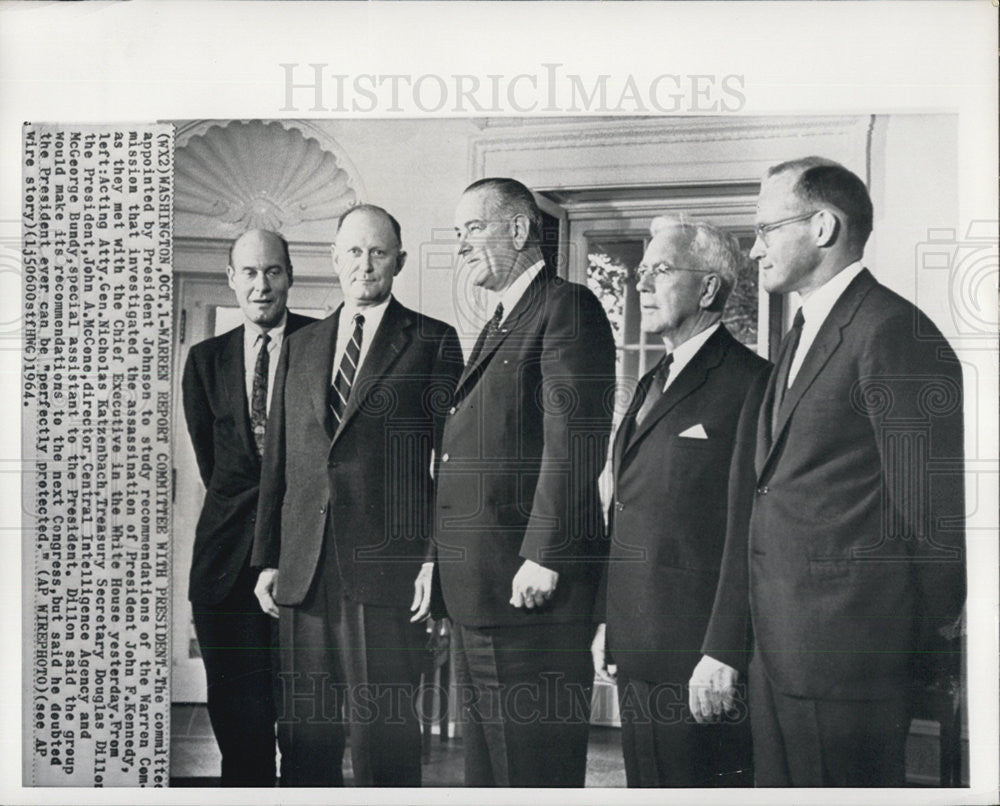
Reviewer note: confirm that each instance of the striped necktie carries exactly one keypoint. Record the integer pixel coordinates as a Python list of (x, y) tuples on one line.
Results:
[(258, 395), (341, 389)]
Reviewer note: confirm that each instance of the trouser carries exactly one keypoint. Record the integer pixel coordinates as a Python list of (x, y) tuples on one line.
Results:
[(348, 666), (664, 746), (525, 695), (239, 648), (807, 742)]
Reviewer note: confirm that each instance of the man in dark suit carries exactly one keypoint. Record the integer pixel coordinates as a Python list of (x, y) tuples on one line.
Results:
[(226, 386), (850, 556), (519, 533), (668, 518), (344, 517)]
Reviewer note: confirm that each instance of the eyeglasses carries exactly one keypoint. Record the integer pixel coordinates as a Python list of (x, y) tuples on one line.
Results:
[(761, 230), (642, 273)]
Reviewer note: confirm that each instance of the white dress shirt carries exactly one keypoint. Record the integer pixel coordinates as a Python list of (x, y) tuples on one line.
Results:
[(345, 330), (252, 333), (512, 294), (685, 352), (815, 308)]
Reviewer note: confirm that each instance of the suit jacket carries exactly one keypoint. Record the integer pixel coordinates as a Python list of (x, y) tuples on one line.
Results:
[(367, 482), (668, 517), (523, 448), (218, 420), (855, 542)]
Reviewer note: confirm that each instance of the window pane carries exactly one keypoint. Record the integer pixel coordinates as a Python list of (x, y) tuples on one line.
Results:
[(741, 310)]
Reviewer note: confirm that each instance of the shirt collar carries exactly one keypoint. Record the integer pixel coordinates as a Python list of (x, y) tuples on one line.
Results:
[(373, 313), (817, 306), (683, 353), (252, 331), (512, 294)]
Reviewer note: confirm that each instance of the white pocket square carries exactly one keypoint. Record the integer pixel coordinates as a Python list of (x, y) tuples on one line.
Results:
[(694, 432)]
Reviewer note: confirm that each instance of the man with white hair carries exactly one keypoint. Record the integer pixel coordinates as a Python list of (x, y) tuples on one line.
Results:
[(668, 517)]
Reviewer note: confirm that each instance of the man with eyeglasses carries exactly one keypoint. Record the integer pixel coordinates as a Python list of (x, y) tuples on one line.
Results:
[(850, 564), (668, 517)]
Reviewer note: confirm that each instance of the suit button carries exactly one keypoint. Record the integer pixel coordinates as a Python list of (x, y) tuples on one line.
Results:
[(322, 509), (763, 490), (452, 410), (619, 506), (253, 518), (445, 457)]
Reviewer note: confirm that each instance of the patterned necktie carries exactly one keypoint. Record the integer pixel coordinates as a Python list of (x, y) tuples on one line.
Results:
[(341, 389), (258, 397), (491, 327), (653, 383), (788, 348)]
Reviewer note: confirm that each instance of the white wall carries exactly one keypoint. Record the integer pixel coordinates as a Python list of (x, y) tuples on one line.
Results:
[(915, 189)]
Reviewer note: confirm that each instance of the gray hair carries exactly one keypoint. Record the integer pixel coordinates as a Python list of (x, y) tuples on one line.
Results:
[(713, 250)]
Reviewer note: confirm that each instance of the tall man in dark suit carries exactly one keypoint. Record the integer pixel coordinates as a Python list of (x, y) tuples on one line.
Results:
[(519, 533), (668, 518), (851, 557), (344, 517), (227, 384)]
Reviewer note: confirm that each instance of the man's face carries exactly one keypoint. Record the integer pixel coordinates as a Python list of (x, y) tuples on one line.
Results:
[(367, 257), (788, 254), (670, 286), (485, 241), (260, 276)]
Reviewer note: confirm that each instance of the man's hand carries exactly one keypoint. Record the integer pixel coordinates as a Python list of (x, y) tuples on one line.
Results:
[(602, 669), (422, 593), (264, 591), (533, 585), (711, 689)]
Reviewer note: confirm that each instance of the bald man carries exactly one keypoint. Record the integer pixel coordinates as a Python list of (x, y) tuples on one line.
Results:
[(226, 386), (344, 517)]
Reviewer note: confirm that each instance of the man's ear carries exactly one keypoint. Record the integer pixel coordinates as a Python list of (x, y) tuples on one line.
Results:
[(230, 275), (711, 286), (291, 276), (400, 260), (829, 228), (520, 229)]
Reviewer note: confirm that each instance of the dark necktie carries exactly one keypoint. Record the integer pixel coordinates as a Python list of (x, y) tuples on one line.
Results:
[(788, 348), (491, 327), (341, 389), (653, 385), (258, 395)]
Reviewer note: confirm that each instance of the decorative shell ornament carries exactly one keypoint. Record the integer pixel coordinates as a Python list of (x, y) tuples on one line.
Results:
[(255, 174)]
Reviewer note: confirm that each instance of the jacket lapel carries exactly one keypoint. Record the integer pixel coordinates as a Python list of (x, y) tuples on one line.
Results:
[(530, 302), (387, 344), (828, 339), (234, 378), (319, 361), (691, 378)]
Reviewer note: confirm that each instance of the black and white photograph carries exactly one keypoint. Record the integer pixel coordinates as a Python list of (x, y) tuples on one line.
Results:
[(432, 424)]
